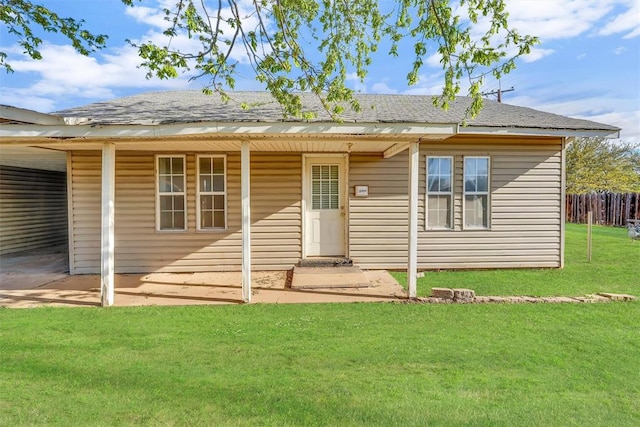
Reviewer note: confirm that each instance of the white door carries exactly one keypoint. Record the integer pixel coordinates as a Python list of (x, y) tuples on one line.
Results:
[(324, 228)]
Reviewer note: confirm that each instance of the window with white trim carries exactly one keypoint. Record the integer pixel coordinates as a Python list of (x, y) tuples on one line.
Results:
[(439, 192), (476, 192), (212, 192), (325, 191), (171, 193)]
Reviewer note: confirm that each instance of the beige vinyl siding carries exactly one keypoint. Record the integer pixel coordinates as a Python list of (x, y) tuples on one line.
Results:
[(33, 209), (84, 205), (275, 212), (525, 208), (378, 223)]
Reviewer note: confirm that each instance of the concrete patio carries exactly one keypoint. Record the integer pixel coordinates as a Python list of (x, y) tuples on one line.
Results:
[(40, 280)]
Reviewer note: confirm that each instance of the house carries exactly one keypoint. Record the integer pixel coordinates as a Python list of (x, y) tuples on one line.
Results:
[(181, 182)]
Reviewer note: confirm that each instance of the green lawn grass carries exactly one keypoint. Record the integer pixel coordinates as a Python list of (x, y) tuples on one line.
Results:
[(615, 267), (325, 364)]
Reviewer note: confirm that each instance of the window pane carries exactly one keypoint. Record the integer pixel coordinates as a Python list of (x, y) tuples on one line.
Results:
[(445, 183), (206, 219), (164, 184), (218, 202), (476, 211), (176, 165), (433, 183), (164, 165), (166, 203), (469, 167), (334, 172), (178, 184), (218, 219), (483, 183), (218, 183), (445, 166), (178, 220), (205, 165), (482, 166), (470, 183), (166, 220), (178, 203), (315, 202), (205, 183), (334, 201), (315, 172), (439, 211), (433, 165), (206, 202), (218, 165)]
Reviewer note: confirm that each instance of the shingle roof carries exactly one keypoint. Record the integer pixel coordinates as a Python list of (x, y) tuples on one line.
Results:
[(194, 106)]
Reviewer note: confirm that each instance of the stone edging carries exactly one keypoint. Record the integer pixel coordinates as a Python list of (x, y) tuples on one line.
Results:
[(468, 296)]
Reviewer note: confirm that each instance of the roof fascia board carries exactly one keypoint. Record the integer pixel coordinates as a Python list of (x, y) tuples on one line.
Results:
[(486, 130), (182, 129), (29, 116)]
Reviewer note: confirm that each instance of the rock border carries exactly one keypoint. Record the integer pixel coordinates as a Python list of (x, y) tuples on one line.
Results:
[(468, 296)]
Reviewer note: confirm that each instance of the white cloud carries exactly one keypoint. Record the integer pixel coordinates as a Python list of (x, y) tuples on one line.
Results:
[(581, 56), (627, 21), (551, 19), (382, 87), (149, 16), (356, 83), (434, 60), (628, 121), (603, 109), (63, 73), (155, 17), (619, 50), (536, 54)]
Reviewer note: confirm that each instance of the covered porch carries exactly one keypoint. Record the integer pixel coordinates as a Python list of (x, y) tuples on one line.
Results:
[(331, 140)]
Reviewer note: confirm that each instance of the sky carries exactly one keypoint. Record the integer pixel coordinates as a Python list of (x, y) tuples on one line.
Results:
[(587, 64)]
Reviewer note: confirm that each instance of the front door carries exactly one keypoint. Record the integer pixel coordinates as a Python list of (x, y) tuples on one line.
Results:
[(324, 228)]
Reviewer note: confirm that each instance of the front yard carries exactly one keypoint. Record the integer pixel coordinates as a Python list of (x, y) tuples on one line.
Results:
[(341, 364), (615, 267)]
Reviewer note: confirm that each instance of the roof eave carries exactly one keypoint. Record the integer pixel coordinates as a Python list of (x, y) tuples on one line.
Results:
[(22, 115), (424, 130), (530, 131)]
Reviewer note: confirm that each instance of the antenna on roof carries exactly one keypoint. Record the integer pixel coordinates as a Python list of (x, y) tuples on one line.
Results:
[(498, 92)]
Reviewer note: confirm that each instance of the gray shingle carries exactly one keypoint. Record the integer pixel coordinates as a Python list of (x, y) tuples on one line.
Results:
[(194, 106)]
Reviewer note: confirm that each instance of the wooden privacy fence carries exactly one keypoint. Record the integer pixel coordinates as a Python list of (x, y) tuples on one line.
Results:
[(607, 208)]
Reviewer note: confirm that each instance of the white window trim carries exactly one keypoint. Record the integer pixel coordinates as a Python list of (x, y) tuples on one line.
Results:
[(158, 194), (213, 193), (478, 193), (427, 193)]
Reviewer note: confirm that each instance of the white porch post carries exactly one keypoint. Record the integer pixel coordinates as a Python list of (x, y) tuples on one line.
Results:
[(107, 270), (412, 262), (245, 183)]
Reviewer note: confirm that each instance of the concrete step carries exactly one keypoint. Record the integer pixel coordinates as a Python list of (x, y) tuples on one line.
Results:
[(325, 262), (328, 278)]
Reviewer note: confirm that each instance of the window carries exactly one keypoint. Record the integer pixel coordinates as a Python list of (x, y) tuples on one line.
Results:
[(476, 192), (325, 187), (171, 196), (212, 193), (439, 192)]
